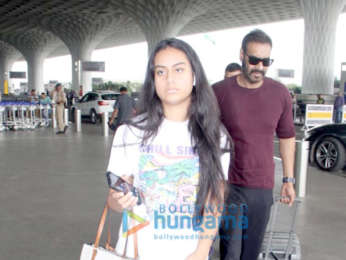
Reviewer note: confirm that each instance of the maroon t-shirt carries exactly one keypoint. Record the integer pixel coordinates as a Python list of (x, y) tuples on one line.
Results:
[(252, 117)]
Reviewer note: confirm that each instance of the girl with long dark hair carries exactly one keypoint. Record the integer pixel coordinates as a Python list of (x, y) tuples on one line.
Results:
[(172, 152)]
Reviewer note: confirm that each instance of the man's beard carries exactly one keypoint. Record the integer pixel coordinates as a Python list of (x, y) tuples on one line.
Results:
[(247, 73)]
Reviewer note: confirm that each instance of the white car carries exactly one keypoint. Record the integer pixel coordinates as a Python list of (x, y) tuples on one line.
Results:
[(94, 103)]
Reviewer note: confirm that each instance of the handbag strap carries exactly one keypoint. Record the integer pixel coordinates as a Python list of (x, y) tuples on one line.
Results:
[(108, 242), (135, 244), (99, 233)]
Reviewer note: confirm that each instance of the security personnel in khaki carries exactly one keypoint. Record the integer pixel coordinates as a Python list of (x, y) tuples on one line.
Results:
[(59, 99)]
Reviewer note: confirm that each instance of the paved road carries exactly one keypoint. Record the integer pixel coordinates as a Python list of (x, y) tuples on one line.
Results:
[(52, 191)]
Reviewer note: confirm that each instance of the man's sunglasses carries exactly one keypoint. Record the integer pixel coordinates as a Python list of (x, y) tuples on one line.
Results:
[(255, 60)]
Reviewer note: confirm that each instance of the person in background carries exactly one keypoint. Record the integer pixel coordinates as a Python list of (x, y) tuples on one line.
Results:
[(124, 109), (338, 107), (33, 96), (320, 99), (80, 91), (294, 105), (232, 69), (71, 98), (59, 100), (44, 99)]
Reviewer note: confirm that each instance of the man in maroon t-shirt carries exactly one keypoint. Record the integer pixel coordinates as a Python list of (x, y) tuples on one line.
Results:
[(253, 109)]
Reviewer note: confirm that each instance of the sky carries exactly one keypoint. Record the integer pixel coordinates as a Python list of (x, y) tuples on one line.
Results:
[(215, 50)]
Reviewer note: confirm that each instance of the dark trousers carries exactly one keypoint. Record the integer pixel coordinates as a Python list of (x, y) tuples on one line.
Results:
[(338, 116), (244, 222)]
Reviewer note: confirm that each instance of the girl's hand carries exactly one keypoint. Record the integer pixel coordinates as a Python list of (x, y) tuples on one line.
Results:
[(118, 202)]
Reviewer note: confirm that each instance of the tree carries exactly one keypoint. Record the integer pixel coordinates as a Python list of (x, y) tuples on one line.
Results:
[(108, 86), (336, 83), (115, 86), (295, 88)]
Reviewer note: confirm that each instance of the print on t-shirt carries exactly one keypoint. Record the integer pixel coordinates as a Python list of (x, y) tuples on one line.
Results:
[(168, 175)]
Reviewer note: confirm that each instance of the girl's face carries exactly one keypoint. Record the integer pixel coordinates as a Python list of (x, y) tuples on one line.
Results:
[(173, 78)]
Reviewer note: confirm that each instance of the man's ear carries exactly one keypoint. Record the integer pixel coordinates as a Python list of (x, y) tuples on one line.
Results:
[(241, 55)]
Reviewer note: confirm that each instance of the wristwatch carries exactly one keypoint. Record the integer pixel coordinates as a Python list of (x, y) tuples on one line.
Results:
[(288, 179)]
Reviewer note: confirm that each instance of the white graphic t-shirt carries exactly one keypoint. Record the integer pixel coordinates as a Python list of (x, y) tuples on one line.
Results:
[(166, 171)]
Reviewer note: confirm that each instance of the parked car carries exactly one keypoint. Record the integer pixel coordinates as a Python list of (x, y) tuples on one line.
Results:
[(328, 146), (94, 103)]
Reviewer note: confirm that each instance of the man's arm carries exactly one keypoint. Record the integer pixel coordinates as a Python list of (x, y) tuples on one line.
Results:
[(115, 111), (287, 152), (133, 107), (114, 115)]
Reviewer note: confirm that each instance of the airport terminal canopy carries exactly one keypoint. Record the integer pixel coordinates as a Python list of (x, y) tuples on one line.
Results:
[(125, 22), (37, 29)]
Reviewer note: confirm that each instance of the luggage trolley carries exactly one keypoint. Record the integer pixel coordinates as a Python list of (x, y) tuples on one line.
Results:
[(28, 115), (6, 117), (13, 114), (21, 114), (12, 119), (44, 115), (34, 122), (281, 244), (10, 115), (2, 117)]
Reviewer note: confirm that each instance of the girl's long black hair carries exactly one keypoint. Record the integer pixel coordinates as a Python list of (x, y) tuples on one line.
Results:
[(204, 123)]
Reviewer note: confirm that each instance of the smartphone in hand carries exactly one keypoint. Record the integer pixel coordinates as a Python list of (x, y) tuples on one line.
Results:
[(120, 185)]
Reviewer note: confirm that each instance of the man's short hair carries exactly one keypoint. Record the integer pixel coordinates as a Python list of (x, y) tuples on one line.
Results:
[(57, 85), (122, 89), (256, 35), (232, 67)]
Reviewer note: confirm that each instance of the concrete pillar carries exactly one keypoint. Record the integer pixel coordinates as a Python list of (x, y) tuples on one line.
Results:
[(155, 36), (163, 19), (165, 28), (320, 18), (35, 45), (5, 67), (35, 70), (8, 55), (80, 53), (87, 33)]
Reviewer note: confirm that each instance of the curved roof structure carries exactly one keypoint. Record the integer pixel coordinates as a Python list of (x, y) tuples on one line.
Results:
[(39, 28), (108, 23)]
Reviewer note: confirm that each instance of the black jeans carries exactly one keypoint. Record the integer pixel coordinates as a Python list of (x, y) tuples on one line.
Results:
[(244, 222)]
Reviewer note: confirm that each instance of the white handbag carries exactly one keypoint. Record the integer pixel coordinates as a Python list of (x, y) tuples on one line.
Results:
[(96, 252)]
